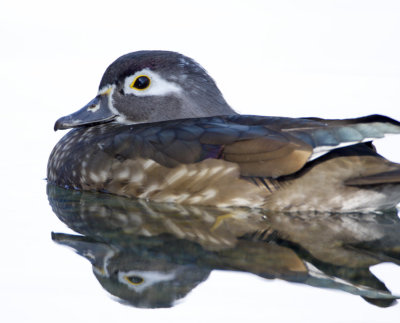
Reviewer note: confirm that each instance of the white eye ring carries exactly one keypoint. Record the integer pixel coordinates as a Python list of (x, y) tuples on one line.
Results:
[(156, 87), (149, 278), (141, 83)]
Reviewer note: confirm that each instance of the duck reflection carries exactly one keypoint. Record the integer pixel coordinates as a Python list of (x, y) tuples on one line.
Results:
[(151, 255)]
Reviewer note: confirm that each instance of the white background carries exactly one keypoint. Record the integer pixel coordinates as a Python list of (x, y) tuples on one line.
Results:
[(332, 59)]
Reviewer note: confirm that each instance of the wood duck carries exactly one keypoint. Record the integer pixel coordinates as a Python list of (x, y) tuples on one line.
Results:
[(160, 129)]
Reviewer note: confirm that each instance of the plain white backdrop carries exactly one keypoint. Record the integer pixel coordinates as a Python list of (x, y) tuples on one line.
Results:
[(332, 59)]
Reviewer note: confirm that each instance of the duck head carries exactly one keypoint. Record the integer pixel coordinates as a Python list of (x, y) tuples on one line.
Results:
[(150, 86)]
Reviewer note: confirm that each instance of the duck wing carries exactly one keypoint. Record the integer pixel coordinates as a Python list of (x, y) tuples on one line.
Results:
[(261, 146)]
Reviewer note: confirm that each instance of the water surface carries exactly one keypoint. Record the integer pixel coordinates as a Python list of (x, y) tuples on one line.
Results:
[(152, 255)]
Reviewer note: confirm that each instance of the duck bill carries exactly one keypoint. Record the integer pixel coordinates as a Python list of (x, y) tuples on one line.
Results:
[(96, 252), (95, 112)]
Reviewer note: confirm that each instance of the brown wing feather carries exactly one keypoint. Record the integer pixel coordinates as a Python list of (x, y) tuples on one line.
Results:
[(268, 157)]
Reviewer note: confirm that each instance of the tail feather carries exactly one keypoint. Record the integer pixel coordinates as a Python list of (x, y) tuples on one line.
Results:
[(343, 133), (389, 177)]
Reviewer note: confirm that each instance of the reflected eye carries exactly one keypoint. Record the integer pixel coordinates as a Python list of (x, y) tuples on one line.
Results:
[(141, 82), (134, 280)]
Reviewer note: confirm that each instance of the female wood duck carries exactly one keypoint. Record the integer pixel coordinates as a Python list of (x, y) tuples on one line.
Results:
[(160, 129)]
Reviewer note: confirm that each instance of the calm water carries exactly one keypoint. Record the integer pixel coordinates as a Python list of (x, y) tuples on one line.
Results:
[(160, 262), (152, 255), (322, 58)]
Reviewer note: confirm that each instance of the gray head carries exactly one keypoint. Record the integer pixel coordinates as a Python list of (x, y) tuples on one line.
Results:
[(151, 86)]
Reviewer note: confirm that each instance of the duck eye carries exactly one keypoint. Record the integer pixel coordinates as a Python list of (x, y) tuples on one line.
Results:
[(141, 82), (134, 280)]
